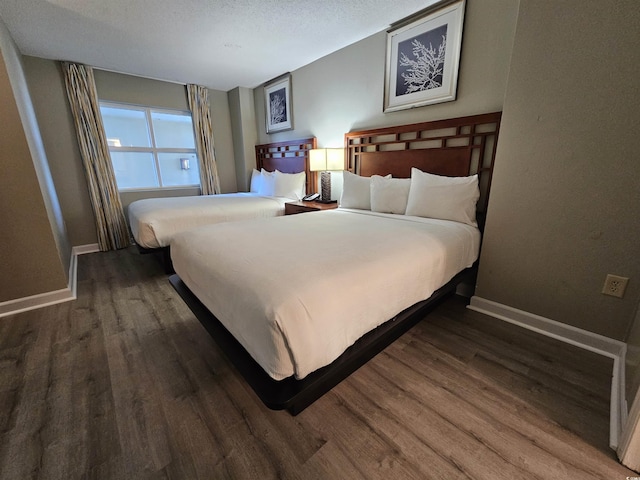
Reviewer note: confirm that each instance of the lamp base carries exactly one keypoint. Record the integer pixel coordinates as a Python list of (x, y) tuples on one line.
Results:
[(325, 187)]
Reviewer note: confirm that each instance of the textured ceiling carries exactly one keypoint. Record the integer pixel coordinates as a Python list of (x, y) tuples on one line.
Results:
[(222, 44)]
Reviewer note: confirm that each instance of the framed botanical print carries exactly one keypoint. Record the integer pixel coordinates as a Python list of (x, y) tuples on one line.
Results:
[(278, 108), (423, 56)]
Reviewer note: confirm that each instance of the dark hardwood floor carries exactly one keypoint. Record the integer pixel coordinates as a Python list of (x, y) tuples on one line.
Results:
[(124, 383)]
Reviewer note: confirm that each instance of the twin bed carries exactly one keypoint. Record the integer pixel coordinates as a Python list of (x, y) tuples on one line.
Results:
[(155, 221), (299, 302)]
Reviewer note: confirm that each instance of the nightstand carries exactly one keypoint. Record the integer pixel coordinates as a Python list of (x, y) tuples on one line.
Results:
[(291, 208)]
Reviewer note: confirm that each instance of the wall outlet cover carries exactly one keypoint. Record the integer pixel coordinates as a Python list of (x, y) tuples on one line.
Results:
[(615, 285)]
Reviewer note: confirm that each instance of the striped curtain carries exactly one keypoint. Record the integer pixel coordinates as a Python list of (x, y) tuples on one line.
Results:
[(199, 105), (111, 225)]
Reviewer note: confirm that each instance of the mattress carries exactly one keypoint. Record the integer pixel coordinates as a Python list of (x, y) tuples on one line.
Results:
[(296, 291), (154, 221)]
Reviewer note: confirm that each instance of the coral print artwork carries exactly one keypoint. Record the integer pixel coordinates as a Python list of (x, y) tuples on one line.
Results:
[(421, 62), (278, 108), (423, 56)]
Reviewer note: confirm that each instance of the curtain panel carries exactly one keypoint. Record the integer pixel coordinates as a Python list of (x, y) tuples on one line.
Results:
[(111, 225), (199, 105)]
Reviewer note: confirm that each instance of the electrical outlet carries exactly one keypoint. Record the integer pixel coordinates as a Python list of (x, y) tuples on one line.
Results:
[(615, 285)]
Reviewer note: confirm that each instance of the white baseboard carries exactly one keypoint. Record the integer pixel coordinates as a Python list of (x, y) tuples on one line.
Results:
[(629, 443), (575, 336), (82, 249), (40, 300)]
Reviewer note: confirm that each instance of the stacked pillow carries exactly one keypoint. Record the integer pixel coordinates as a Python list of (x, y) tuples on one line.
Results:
[(422, 195), (447, 198), (389, 195), (278, 184), (356, 191)]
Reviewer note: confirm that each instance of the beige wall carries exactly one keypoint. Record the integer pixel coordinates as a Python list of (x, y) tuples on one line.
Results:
[(344, 91), (243, 120), (46, 84), (223, 140), (118, 87), (35, 254), (565, 206)]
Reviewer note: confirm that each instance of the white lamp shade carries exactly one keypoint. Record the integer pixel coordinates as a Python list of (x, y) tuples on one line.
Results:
[(317, 159), (335, 159), (322, 159)]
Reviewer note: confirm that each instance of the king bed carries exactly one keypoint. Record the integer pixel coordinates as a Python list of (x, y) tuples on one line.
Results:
[(282, 174), (299, 302)]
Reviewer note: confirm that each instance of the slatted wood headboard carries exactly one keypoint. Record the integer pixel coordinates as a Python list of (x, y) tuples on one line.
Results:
[(454, 147), (291, 156)]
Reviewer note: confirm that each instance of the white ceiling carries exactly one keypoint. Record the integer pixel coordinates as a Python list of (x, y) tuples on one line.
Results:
[(221, 44)]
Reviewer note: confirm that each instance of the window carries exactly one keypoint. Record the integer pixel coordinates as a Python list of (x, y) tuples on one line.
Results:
[(150, 148)]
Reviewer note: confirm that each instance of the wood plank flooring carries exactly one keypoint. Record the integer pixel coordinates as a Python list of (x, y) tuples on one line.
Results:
[(124, 383)]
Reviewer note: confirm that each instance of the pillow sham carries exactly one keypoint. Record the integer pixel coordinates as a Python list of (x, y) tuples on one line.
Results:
[(256, 180), (356, 191), (446, 198), (389, 195), (289, 185), (267, 183)]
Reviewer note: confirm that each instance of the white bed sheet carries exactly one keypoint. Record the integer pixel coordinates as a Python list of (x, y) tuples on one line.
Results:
[(297, 291), (154, 221)]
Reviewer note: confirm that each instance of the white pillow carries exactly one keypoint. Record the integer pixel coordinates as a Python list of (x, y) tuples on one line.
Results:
[(356, 191), (256, 180), (267, 183), (289, 185), (389, 195), (447, 198)]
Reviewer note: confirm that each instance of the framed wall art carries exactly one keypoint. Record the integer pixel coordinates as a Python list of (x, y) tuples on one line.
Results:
[(278, 107), (423, 56)]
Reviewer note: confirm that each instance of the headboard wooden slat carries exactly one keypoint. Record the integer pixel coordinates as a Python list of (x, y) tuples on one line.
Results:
[(439, 161), (291, 156)]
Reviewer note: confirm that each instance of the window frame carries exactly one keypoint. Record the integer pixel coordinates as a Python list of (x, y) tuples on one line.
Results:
[(153, 149)]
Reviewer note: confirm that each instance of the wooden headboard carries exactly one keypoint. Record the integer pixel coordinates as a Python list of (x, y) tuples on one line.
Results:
[(291, 156), (455, 147)]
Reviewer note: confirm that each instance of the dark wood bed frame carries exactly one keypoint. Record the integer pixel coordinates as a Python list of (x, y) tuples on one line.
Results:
[(454, 147), (291, 156)]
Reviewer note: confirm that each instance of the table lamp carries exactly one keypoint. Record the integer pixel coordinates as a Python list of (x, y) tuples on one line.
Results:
[(323, 160)]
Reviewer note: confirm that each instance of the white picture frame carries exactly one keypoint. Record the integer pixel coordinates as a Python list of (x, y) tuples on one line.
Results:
[(278, 107), (423, 58)]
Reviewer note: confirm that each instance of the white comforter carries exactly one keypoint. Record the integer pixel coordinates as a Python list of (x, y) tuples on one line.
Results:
[(154, 221), (297, 291)]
